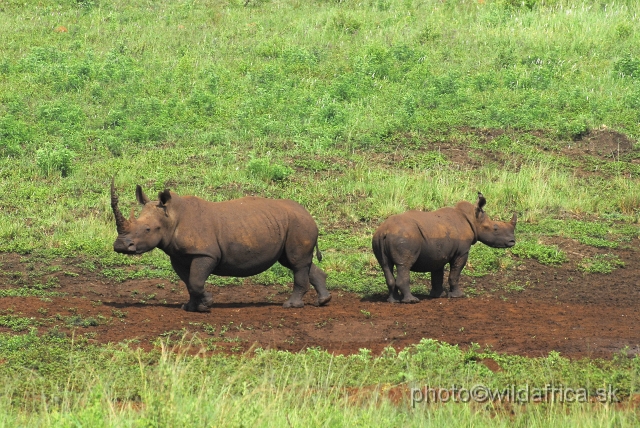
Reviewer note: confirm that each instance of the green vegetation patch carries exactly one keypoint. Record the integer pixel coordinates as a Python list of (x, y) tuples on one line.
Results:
[(545, 254), (68, 380), (600, 263)]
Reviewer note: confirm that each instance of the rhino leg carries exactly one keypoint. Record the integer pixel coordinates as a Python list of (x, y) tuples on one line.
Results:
[(300, 288), (455, 268), (394, 294), (402, 282), (318, 279), (194, 276), (437, 279)]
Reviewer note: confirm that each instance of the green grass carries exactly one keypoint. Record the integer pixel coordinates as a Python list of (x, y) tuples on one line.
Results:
[(357, 110), (69, 382), (600, 263)]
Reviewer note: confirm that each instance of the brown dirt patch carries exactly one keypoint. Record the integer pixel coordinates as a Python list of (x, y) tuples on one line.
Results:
[(603, 143), (559, 309)]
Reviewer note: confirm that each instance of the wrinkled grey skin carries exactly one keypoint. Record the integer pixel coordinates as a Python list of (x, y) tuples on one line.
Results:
[(418, 241), (241, 237)]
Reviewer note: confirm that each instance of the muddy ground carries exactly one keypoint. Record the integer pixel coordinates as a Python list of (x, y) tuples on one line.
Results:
[(529, 310), (560, 308)]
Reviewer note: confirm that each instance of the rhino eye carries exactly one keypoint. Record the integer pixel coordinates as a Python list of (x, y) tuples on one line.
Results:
[(148, 229), (495, 227)]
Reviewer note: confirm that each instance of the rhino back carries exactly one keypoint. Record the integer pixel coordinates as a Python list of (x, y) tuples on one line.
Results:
[(444, 235), (245, 234)]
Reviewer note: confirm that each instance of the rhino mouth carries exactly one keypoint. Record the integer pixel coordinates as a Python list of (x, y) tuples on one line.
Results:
[(124, 247), (511, 243)]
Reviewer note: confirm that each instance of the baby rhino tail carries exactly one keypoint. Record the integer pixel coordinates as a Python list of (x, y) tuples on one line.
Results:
[(380, 251), (318, 253)]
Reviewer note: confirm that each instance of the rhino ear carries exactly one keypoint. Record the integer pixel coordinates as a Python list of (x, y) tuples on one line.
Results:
[(164, 197), (140, 196), (481, 203)]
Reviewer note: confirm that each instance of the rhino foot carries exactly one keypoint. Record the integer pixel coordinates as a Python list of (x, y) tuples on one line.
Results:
[(294, 304), (457, 292), (202, 305), (323, 300), (436, 294), (195, 307), (410, 299), (392, 299)]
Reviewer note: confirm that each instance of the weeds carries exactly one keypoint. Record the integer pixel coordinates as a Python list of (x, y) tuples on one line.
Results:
[(600, 263)]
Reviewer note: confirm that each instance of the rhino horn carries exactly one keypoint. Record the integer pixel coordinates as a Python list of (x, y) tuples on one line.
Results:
[(514, 219), (121, 222)]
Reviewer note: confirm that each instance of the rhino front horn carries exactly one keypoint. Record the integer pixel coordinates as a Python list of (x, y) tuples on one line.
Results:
[(514, 219), (121, 222)]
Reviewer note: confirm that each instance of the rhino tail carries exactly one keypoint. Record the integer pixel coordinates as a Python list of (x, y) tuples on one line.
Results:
[(318, 253), (387, 269)]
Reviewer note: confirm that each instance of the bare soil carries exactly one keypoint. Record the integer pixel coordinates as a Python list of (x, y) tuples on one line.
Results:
[(560, 308)]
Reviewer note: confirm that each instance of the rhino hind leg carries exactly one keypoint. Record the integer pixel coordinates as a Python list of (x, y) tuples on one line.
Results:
[(300, 288), (402, 282), (437, 280), (202, 304), (318, 279), (394, 294)]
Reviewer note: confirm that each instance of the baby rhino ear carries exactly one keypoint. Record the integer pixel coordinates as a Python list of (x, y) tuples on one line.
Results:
[(164, 197), (481, 203)]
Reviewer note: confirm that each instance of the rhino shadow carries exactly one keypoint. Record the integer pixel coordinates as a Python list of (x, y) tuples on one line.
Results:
[(383, 297), (179, 305)]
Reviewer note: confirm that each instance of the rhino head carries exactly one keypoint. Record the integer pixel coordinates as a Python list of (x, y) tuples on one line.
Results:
[(497, 234), (142, 234)]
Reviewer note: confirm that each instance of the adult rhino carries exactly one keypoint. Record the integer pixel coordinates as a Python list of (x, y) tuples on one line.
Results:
[(420, 241), (241, 237)]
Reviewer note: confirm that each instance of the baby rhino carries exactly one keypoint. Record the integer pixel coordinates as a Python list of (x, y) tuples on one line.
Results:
[(426, 241)]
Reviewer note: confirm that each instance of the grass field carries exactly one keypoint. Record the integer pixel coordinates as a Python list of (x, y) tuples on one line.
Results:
[(357, 110)]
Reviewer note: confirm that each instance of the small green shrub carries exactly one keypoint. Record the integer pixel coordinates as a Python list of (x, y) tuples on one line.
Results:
[(114, 145), (623, 30), (600, 263), (263, 169), (545, 254), (346, 23), (627, 66), (13, 133), (573, 129), (54, 159)]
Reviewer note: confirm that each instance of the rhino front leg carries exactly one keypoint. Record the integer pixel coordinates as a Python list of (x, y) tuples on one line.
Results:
[(194, 275), (300, 288), (455, 268), (402, 282), (318, 279), (437, 279)]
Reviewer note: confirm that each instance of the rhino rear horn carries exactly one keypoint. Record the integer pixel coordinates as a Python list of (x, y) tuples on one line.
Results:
[(140, 196), (514, 219), (121, 222)]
